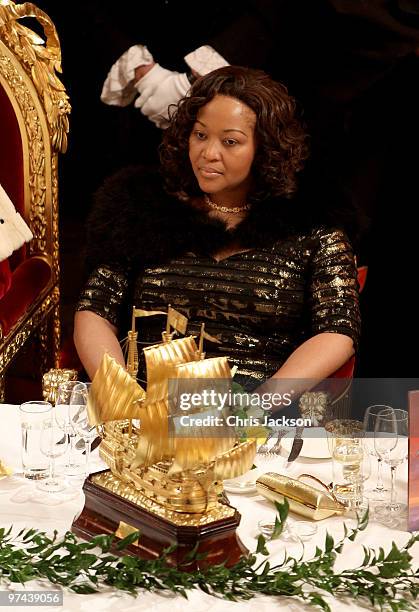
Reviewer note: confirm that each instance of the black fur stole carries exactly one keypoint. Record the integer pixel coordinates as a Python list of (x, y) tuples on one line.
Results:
[(135, 223)]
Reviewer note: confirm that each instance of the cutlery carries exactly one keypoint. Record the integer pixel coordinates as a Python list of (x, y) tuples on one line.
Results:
[(95, 444), (276, 449), (264, 448), (297, 445)]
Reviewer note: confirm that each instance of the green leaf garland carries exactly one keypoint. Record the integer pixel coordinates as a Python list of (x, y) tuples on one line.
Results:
[(382, 581)]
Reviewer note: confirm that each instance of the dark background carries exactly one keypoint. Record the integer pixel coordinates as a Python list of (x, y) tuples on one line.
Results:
[(354, 69)]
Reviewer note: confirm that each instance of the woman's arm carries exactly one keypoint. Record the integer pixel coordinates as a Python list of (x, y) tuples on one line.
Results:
[(333, 303), (318, 357), (310, 363), (93, 337)]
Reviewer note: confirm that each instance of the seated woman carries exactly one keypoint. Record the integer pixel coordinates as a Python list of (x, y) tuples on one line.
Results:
[(222, 235)]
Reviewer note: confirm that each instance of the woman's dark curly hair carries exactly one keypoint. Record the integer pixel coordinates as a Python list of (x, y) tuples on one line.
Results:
[(281, 141)]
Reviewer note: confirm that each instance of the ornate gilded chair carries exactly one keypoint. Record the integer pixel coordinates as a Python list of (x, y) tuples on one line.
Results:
[(34, 111)]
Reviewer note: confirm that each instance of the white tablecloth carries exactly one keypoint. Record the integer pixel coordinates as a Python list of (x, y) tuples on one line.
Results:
[(23, 512)]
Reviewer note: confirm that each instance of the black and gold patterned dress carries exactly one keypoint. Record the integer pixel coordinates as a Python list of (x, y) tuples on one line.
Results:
[(260, 304)]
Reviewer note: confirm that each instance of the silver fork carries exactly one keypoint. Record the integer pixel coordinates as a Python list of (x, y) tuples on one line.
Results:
[(276, 449), (264, 448)]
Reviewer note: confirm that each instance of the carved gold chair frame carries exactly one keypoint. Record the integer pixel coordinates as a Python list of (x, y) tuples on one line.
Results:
[(28, 66)]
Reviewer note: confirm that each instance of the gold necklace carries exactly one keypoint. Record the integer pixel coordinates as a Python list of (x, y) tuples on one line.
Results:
[(225, 209)]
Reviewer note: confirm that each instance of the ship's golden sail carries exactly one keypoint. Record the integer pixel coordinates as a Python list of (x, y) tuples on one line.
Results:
[(141, 441), (114, 394)]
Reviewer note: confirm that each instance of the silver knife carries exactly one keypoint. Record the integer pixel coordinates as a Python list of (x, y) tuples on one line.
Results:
[(297, 445), (95, 444)]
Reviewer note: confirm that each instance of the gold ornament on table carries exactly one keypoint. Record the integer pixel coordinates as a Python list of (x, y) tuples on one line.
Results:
[(4, 470), (305, 500), (313, 405), (52, 379), (156, 477)]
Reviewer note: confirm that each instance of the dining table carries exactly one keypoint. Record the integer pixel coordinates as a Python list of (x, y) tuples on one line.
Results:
[(22, 507)]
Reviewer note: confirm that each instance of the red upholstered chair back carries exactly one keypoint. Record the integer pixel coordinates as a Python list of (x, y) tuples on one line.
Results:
[(33, 130), (339, 383), (347, 370)]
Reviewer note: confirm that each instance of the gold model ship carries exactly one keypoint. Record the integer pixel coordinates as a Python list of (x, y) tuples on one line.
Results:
[(149, 463)]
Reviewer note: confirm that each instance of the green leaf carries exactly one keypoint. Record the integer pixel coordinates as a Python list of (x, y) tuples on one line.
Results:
[(277, 530), (329, 543), (192, 553), (261, 547), (83, 589), (385, 582), (104, 542), (129, 539), (283, 509), (28, 534)]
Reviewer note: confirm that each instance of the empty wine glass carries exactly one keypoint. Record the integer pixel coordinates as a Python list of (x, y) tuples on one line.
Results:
[(391, 445), (379, 492), (62, 417), (79, 418), (52, 445)]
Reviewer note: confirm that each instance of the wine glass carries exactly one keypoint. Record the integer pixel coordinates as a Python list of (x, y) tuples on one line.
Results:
[(347, 464), (379, 492), (62, 418), (391, 445), (79, 418), (52, 445)]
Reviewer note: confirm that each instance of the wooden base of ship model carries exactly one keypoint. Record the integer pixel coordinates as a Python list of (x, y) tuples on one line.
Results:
[(214, 533)]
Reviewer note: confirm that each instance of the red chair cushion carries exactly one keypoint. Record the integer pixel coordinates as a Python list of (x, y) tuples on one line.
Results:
[(5, 277), (362, 277), (29, 279)]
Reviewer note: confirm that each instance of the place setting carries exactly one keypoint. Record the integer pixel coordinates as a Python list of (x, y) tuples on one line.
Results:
[(326, 471)]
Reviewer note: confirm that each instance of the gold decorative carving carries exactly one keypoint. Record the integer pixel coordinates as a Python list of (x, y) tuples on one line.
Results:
[(28, 72), (15, 342), (42, 333), (36, 154), (110, 482), (52, 379), (56, 334), (41, 60)]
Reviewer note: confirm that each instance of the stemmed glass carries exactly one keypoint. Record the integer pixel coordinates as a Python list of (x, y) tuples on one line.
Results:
[(62, 418), (370, 418), (79, 418), (349, 464), (391, 445), (52, 445)]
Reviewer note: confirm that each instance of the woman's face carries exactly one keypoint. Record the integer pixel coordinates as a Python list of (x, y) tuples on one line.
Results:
[(222, 148)]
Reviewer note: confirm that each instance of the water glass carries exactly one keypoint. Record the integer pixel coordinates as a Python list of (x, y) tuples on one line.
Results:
[(62, 418), (348, 477), (53, 445), (79, 417), (32, 416)]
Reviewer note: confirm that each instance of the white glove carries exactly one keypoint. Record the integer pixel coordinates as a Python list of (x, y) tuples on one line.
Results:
[(205, 59), (158, 89), (119, 87)]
